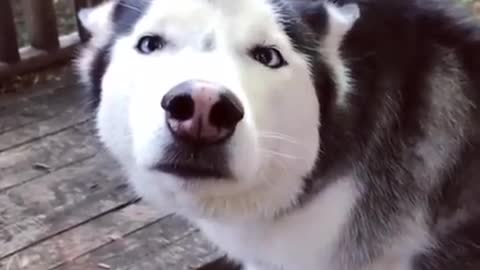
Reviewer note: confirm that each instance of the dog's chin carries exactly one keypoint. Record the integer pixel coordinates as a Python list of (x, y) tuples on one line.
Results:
[(189, 192)]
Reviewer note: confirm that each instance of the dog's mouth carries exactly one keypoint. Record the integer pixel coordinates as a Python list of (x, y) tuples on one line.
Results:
[(189, 162), (191, 171)]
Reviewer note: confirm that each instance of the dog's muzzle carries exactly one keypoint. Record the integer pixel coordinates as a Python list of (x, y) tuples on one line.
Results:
[(201, 117)]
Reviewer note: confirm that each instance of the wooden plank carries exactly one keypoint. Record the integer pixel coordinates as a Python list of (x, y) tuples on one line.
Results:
[(72, 116), (41, 24), (171, 244), (20, 236), (8, 37), (68, 186), (59, 201), (47, 102), (38, 84), (67, 246), (31, 133), (30, 161)]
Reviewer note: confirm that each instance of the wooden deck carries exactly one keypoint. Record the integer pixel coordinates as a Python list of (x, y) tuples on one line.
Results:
[(64, 203)]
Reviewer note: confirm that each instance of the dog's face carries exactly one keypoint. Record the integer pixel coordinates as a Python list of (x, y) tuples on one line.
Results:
[(211, 106)]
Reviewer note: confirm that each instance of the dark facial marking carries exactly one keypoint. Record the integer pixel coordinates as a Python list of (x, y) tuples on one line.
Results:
[(209, 42), (314, 14), (306, 23), (127, 13), (98, 68), (303, 23)]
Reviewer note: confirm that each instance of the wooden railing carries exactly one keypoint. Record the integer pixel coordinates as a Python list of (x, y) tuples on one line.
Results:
[(45, 45)]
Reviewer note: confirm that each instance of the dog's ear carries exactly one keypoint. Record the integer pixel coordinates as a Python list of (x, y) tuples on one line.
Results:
[(320, 13), (98, 18)]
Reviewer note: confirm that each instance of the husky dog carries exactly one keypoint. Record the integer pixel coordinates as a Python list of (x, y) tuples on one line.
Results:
[(298, 134)]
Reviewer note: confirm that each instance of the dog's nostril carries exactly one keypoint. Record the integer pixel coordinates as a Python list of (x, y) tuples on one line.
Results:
[(180, 107), (201, 112), (227, 112)]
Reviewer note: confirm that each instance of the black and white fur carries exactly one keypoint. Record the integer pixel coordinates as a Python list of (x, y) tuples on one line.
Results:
[(362, 153)]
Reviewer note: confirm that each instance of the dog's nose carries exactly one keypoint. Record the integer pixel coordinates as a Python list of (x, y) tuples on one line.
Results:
[(202, 112)]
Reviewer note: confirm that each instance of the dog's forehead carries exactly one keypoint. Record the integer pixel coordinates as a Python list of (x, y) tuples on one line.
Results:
[(192, 9), (202, 15)]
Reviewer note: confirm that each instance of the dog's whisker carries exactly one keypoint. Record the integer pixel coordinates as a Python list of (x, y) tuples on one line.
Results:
[(278, 134), (274, 137), (278, 154), (134, 8)]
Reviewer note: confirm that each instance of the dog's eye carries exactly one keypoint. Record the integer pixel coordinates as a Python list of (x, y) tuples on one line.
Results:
[(268, 56), (149, 44)]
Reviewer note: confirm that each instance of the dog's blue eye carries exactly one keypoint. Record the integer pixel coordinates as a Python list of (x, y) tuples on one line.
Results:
[(149, 44), (268, 56)]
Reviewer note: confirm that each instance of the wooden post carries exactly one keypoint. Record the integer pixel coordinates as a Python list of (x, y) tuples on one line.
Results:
[(8, 36), (95, 2), (41, 23)]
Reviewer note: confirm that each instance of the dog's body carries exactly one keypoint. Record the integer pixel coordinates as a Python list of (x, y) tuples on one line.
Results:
[(354, 143)]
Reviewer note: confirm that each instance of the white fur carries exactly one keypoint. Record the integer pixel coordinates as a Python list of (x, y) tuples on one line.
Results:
[(270, 151), (304, 240), (413, 239), (273, 148), (341, 21)]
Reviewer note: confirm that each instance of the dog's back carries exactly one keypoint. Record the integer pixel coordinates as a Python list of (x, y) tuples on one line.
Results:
[(413, 123)]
